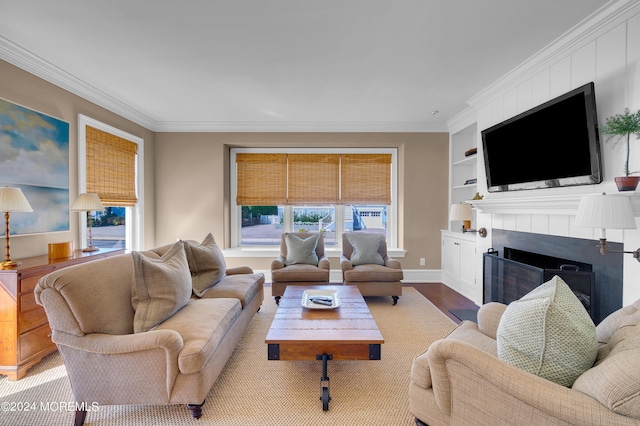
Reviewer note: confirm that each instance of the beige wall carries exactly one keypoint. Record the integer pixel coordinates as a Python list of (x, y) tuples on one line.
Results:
[(192, 188), (25, 89)]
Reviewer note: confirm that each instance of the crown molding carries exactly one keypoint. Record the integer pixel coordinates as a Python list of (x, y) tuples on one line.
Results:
[(303, 126), (37, 66), (609, 16)]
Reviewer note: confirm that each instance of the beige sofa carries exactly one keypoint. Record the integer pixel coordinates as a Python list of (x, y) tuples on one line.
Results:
[(459, 380), (91, 314)]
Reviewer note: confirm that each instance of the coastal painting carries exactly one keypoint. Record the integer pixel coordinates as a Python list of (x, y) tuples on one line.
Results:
[(34, 156)]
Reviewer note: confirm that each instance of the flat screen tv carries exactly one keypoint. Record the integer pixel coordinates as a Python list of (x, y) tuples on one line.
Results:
[(552, 145)]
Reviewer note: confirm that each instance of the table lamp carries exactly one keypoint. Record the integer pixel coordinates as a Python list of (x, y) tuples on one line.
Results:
[(606, 212), (88, 202), (11, 200)]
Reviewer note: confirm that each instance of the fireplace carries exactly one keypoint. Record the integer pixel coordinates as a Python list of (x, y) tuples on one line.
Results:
[(519, 261)]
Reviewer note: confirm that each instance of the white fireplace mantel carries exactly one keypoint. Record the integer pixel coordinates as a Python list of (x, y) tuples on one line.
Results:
[(551, 205)]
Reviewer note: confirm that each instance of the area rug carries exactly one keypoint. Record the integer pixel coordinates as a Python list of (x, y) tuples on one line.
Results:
[(254, 391)]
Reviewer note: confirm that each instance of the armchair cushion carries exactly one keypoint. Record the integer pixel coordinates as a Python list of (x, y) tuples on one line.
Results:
[(548, 333), (301, 250), (366, 248), (206, 263), (161, 287)]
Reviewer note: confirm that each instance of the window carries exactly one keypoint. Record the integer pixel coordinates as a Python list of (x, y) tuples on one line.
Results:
[(121, 224), (320, 208)]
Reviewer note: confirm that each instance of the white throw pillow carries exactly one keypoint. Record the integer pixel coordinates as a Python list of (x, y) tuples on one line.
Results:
[(365, 248), (301, 250), (548, 333)]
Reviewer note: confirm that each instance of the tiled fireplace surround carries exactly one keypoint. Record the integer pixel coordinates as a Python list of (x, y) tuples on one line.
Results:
[(544, 225)]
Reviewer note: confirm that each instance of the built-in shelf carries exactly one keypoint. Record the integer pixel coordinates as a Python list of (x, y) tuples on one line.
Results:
[(469, 185), (552, 204), (467, 161)]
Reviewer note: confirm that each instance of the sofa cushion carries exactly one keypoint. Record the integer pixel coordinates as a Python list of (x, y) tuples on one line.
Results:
[(300, 273), (548, 333), (243, 287), (206, 263), (366, 248), (615, 379), (161, 286), (301, 250), (202, 324), (373, 273)]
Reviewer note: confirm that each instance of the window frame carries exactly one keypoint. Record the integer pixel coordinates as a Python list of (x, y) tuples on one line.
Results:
[(236, 213), (133, 215)]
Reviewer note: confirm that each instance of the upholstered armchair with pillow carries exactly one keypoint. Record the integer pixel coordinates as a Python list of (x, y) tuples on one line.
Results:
[(538, 361), (365, 263), (302, 261)]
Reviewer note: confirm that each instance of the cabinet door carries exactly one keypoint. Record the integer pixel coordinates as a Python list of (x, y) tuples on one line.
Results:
[(451, 256), (466, 262)]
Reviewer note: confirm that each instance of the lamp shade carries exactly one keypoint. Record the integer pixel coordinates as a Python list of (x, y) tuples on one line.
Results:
[(461, 212), (13, 200), (605, 212), (87, 202)]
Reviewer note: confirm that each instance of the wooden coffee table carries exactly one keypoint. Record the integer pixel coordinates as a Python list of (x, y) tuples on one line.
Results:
[(347, 332)]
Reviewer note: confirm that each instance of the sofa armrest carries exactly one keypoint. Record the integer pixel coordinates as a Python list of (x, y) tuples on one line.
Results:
[(324, 263), (277, 263), (457, 367), (239, 270), (345, 263), (108, 344), (489, 318), (392, 263)]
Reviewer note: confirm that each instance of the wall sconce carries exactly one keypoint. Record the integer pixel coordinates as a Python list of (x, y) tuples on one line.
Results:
[(606, 212), (11, 200), (463, 212), (88, 203)]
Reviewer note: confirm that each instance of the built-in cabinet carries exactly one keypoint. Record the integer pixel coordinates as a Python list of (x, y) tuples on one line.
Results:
[(25, 335), (458, 262)]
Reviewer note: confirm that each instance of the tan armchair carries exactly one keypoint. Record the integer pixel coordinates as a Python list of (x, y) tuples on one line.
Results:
[(461, 380), (365, 263), (302, 261)]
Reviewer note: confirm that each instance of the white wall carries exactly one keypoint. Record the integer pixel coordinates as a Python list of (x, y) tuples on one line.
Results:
[(605, 50)]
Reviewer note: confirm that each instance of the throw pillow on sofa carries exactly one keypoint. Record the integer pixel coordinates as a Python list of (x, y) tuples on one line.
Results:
[(548, 332), (162, 286), (365, 248), (301, 250), (206, 263)]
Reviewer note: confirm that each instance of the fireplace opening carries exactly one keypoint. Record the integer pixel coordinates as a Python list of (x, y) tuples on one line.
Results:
[(521, 261), (518, 272)]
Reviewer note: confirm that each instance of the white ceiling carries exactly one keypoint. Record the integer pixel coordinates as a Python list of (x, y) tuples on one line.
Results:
[(281, 64)]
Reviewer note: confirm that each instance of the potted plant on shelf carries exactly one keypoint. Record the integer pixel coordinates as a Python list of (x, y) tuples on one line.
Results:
[(621, 125)]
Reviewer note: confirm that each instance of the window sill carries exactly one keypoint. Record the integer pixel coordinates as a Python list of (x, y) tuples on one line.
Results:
[(273, 252)]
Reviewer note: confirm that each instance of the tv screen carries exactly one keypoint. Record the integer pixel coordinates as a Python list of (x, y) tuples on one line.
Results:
[(554, 144)]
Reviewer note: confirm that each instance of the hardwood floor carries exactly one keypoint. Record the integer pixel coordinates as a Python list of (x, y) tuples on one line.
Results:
[(444, 298)]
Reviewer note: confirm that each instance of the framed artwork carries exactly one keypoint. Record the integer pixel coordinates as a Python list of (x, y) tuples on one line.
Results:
[(34, 156)]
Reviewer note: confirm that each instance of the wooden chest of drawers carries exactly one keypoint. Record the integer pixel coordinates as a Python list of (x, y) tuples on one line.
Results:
[(25, 336)]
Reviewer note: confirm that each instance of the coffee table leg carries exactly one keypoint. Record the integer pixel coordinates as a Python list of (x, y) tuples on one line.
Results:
[(324, 381)]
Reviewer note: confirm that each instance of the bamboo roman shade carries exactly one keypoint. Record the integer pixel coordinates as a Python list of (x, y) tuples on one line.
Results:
[(111, 168), (262, 179), (308, 179), (313, 179), (366, 179)]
